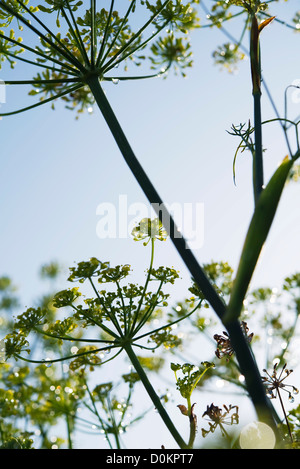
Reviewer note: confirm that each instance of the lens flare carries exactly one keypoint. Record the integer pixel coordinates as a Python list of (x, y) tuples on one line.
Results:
[(257, 435)]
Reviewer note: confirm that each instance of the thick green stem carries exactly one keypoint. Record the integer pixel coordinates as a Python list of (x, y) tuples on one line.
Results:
[(154, 397), (249, 370), (258, 179), (244, 356)]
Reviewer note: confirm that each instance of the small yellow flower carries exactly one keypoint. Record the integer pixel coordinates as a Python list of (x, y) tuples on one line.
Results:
[(151, 229)]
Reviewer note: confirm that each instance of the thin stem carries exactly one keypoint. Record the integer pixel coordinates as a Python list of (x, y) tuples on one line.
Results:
[(169, 324), (211, 25), (154, 397), (93, 34), (123, 306), (264, 83), (37, 52), (73, 339), (106, 68), (285, 416), (69, 431), (40, 64), (45, 101), (134, 37), (111, 316), (148, 313), (101, 60), (40, 82), (68, 56), (105, 35), (99, 324), (193, 429), (253, 380), (77, 41), (114, 428), (141, 77), (258, 172), (75, 355), (47, 29), (137, 312), (82, 48), (102, 424)]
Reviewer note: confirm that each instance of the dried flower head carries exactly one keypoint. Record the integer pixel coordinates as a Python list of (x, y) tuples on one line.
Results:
[(274, 382), (224, 347), (220, 417)]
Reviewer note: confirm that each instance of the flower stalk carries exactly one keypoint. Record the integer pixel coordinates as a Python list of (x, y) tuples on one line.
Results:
[(154, 397), (255, 61)]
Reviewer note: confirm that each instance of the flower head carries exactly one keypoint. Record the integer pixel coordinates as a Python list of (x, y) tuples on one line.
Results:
[(149, 229), (220, 417), (274, 382), (75, 44), (224, 347)]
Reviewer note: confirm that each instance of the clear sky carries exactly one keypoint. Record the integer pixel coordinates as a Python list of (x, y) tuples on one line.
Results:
[(55, 170)]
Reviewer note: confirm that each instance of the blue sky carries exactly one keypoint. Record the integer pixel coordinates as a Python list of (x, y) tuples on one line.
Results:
[(56, 170)]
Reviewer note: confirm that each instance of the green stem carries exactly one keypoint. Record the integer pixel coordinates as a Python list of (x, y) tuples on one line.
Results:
[(136, 315), (69, 432), (148, 313), (249, 370), (125, 319), (168, 324), (113, 424), (40, 64), (258, 172), (193, 422), (106, 33), (100, 59), (139, 46), (133, 38), (244, 356), (78, 42), (56, 360), (110, 315), (95, 411), (93, 33), (37, 52), (43, 82), (61, 44), (40, 103), (136, 77), (67, 55), (193, 431), (79, 38), (285, 416), (154, 397)]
